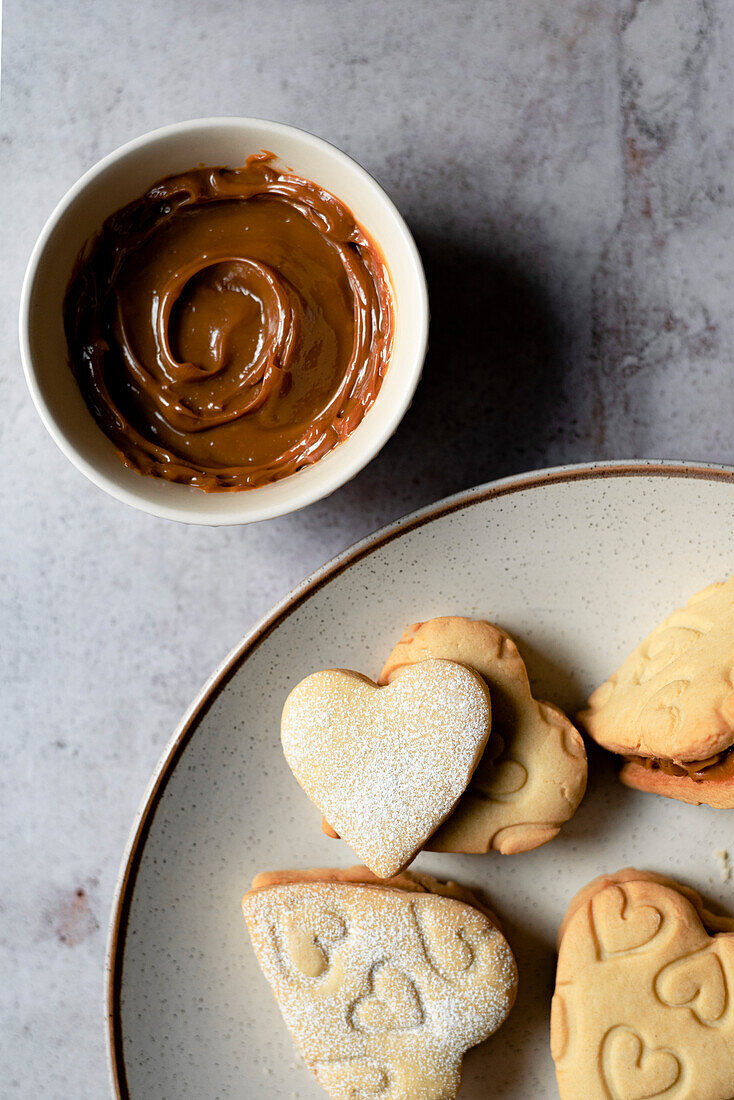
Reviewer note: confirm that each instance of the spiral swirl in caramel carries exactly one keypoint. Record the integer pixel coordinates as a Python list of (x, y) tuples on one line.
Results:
[(230, 327)]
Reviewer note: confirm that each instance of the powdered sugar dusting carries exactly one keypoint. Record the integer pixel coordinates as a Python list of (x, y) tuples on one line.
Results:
[(413, 982), (387, 765)]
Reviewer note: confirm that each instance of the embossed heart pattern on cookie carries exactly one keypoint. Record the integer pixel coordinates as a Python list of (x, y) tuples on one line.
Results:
[(408, 977)]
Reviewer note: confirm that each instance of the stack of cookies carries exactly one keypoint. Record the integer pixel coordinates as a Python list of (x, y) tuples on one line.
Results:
[(669, 710), (386, 977), (505, 777)]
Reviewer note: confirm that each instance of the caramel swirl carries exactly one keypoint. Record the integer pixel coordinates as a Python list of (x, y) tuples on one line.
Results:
[(230, 327)]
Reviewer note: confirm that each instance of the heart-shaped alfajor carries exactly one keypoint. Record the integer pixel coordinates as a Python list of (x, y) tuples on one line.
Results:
[(386, 765), (382, 1017), (532, 775), (668, 710), (644, 1000)]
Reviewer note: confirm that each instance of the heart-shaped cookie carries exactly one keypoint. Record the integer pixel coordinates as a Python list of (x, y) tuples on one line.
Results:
[(382, 1019), (386, 765), (643, 1002), (668, 710)]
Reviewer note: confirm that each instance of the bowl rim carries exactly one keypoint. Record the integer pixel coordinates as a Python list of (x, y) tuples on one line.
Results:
[(244, 508), (207, 694)]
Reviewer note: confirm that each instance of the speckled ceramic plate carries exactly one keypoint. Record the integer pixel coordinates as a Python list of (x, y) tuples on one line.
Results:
[(577, 564)]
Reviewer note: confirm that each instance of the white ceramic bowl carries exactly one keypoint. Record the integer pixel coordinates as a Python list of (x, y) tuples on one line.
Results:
[(122, 177)]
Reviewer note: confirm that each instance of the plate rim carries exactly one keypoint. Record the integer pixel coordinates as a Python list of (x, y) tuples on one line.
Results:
[(205, 697)]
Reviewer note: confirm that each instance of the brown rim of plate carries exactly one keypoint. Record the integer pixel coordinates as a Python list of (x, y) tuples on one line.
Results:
[(251, 641)]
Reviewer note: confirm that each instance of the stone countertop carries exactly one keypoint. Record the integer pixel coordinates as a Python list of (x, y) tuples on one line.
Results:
[(566, 170)]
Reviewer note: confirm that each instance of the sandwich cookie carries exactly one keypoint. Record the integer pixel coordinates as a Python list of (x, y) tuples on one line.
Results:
[(668, 711), (383, 984), (532, 775), (386, 765)]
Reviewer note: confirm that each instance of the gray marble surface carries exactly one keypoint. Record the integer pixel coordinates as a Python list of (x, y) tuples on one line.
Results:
[(566, 169)]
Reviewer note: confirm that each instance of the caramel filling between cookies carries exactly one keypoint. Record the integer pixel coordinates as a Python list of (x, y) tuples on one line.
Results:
[(714, 768)]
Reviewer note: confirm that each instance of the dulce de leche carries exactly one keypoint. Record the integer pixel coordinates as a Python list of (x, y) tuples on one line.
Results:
[(229, 327)]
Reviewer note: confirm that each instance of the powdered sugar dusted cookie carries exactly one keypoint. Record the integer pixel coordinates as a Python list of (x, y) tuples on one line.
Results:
[(532, 775), (669, 708), (383, 986), (386, 765), (644, 1000)]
